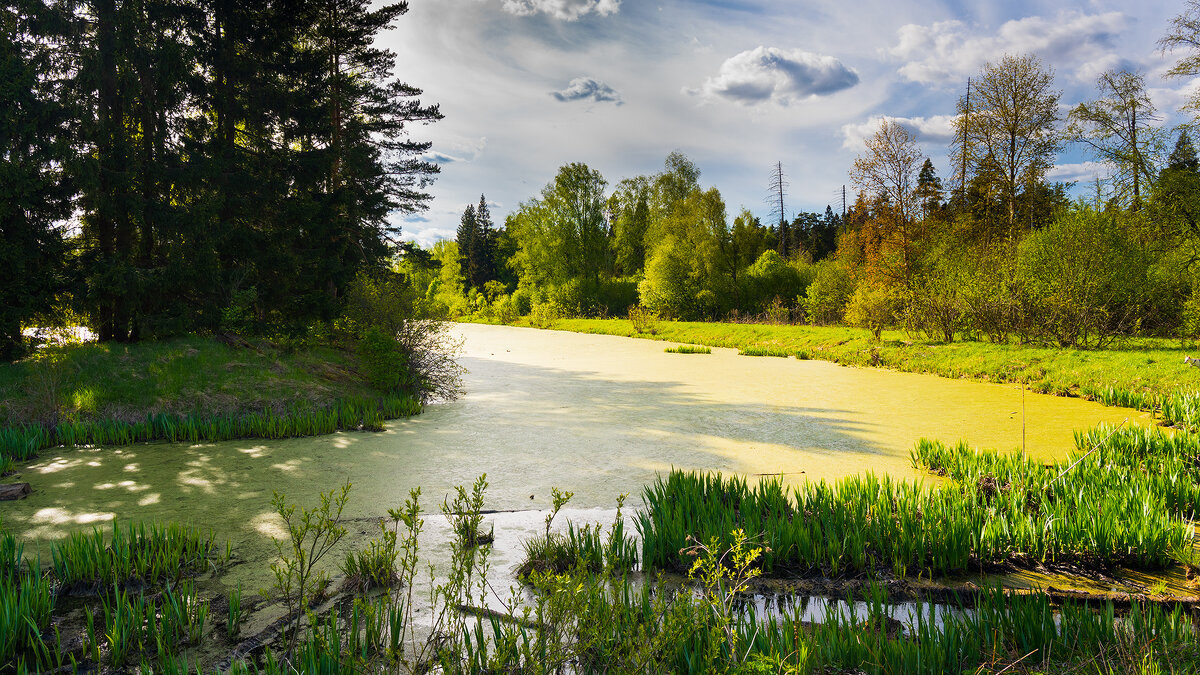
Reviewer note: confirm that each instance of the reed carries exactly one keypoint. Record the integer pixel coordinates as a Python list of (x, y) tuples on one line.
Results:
[(234, 618), (764, 350), (1120, 397), (688, 349), (23, 442), (1123, 504), (151, 554), (26, 602)]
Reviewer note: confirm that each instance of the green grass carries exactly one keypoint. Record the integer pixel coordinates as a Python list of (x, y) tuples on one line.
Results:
[(153, 554), (1128, 503), (767, 350), (1136, 374), (188, 390), (688, 349), (184, 376)]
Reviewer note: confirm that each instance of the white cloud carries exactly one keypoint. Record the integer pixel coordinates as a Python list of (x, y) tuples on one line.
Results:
[(935, 129), (949, 51), (779, 75), (1082, 172), (452, 150), (585, 88), (566, 10)]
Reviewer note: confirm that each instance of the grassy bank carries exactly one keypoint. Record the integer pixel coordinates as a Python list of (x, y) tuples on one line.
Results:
[(1136, 374), (190, 389)]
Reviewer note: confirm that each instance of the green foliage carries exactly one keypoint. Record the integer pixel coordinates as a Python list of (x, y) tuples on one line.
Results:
[(26, 602), (643, 320), (688, 349), (826, 297), (772, 277), (234, 617), (1123, 504), (150, 554), (562, 234), (382, 359), (1084, 277), (544, 315), (764, 350), (873, 307), (376, 566), (311, 535), (465, 517)]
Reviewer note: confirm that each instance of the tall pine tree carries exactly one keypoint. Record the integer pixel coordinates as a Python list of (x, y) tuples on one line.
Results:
[(34, 195)]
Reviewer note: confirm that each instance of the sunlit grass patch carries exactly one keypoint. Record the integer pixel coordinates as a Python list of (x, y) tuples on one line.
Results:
[(767, 350), (688, 349)]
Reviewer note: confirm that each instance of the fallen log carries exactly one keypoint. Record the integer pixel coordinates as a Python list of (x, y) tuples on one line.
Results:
[(12, 491)]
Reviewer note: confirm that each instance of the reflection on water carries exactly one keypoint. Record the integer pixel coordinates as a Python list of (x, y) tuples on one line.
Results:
[(596, 415)]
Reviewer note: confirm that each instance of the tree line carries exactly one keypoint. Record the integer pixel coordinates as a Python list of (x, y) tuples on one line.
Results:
[(178, 166), (996, 251)]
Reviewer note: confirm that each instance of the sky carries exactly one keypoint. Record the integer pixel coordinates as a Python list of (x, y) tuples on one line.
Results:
[(527, 86)]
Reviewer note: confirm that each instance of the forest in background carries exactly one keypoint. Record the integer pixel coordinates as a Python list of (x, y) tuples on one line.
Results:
[(994, 251)]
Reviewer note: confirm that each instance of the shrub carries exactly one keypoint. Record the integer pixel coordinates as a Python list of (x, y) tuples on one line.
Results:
[(382, 360), (827, 295), (873, 307), (544, 315), (644, 320)]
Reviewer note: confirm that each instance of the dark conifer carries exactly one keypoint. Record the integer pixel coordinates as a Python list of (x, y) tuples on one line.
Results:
[(467, 231)]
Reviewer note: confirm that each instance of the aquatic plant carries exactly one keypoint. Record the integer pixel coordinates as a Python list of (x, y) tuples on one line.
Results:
[(26, 602), (311, 535), (146, 553), (688, 349), (764, 350), (234, 617), (23, 442), (374, 567), (1122, 504)]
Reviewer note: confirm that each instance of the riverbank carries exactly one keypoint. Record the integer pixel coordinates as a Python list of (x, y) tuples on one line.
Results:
[(193, 388), (1135, 375)]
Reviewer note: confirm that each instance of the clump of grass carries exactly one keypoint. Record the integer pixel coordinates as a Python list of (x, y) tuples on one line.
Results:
[(1121, 397), (764, 350), (688, 349), (150, 554), (803, 355), (1182, 408), (234, 618), (374, 567), (581, 549), (26, 602)]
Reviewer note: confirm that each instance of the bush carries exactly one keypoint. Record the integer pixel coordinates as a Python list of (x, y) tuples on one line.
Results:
[(1084, 277), (382, 360), (771, 278), (643, 320), (826, 297), (386, 304), (873, 307), (544, 315)]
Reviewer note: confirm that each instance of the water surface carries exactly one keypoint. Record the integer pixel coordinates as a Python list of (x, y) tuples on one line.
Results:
[(596, 415)]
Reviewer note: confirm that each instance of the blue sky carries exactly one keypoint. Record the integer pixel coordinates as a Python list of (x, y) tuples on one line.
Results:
[(529, 85)]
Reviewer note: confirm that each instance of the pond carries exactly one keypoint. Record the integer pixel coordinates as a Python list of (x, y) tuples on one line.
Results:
[(595, 415)]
